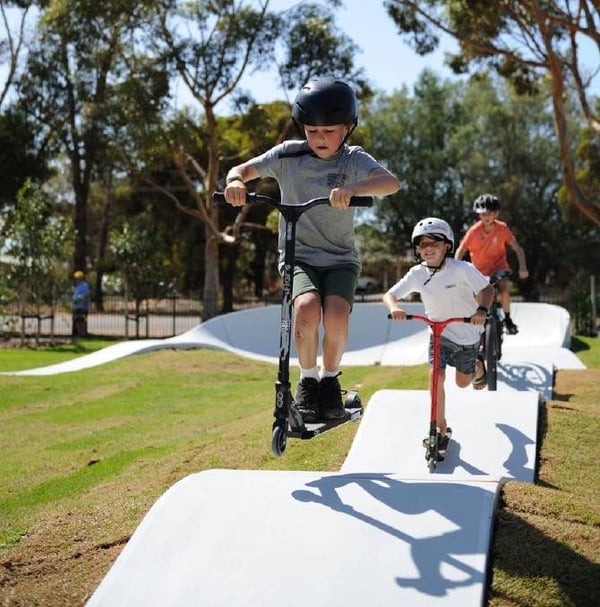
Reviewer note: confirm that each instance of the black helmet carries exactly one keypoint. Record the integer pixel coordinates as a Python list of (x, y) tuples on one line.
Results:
[(326, 102), (486, 202)]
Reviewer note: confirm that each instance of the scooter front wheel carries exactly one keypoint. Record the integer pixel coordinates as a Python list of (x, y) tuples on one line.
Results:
[(278, 440)]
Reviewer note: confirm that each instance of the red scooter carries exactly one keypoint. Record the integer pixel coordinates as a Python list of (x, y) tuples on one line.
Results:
[(432, 453)]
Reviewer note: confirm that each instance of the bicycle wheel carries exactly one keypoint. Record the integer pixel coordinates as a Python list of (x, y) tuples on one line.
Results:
[(491, 359), (499, 338)]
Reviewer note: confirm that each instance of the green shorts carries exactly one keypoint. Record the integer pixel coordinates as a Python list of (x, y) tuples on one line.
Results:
[(336, 280)]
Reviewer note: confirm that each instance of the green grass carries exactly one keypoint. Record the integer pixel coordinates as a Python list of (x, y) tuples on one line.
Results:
[(84, 455), (18, 359)]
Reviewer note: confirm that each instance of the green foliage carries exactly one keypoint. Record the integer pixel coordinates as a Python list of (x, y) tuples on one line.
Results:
[(450, 142), (36, 242), (21, 156), (580, 305), (139, 255)]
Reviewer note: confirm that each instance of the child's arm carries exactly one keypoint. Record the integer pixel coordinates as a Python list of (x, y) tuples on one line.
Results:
[(484, 299), (380, 182), (235, 188), (391, 302), (516, 247)]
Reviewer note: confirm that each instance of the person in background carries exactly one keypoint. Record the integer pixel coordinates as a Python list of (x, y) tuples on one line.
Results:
[(486, 243), (327, 263), (448, 288), (81, 304)]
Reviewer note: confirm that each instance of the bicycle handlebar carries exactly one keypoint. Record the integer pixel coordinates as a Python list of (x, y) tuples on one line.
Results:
[(355, 201), (430, 322), (496, 277)]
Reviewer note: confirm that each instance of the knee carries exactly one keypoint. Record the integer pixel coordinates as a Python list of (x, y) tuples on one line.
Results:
[(307, 310), (336, 313), (462, 380)]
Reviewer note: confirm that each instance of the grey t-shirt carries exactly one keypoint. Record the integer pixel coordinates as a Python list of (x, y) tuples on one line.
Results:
[(324, 235)]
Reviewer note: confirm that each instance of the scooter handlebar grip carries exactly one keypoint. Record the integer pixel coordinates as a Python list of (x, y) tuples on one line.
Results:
[(361, 201)]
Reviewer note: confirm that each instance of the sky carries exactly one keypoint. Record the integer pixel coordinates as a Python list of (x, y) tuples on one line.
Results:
[(388, 62)]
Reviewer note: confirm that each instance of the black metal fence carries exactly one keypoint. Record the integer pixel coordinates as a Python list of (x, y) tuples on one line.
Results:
[(152, 318), (119, 319)]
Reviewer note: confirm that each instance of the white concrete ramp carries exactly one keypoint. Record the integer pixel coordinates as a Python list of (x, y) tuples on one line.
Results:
[(226, 538), (373, 339), (382, 531), (493, 434)]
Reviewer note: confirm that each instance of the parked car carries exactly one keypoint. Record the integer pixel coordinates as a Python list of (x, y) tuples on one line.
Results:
[(367, 285)]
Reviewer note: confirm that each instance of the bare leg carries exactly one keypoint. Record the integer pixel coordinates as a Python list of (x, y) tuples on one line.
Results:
[(504, 294), (307, 317), (441, 399), (336, 316), (464, 379)]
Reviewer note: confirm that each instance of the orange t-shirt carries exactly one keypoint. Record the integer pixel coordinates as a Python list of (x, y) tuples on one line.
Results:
[(488, 249)]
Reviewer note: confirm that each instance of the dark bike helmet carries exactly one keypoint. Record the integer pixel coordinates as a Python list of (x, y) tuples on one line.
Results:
[(486, 202), (325, 102)]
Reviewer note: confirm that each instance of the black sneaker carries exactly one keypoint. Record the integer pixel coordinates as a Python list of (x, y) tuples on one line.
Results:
[(307, 399), (443, 440), (510, 326), (330, 398)]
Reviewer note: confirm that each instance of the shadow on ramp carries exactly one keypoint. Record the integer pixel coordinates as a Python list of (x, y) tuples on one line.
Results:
[(245, 538), (494, 434)]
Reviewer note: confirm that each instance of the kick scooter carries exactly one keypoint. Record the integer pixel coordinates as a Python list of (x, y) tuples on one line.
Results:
[(434, 449), (288, 422)]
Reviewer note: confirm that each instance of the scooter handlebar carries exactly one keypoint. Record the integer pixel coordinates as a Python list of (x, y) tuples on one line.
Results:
[(355, 201)]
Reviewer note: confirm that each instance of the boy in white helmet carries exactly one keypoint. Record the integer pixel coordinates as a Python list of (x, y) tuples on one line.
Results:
[(448, 288), (327, 264)]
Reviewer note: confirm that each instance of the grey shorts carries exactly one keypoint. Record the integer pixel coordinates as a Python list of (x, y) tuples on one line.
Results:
[(336, 280), (455, 355)]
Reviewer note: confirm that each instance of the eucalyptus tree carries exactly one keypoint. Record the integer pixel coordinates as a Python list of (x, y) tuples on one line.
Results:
[(506, 147), (23, 153), (73, 87), (212, 45), (413, 132), (450, 142), (526, 41), (15, 19)]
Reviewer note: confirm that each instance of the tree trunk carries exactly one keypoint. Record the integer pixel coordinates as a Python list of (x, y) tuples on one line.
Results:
[(211, 276)]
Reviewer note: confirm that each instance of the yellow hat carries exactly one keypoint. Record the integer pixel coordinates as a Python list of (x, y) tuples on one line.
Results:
[(78, 274)]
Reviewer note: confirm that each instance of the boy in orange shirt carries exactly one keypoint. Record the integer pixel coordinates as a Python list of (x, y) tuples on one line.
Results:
[(486, 243)]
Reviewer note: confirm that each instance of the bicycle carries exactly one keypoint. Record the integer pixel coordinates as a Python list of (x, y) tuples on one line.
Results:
[(432, 449), (288, 421), (493, 336)]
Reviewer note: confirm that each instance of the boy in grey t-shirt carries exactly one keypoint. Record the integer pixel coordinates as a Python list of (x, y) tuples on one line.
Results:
[(327, 264)]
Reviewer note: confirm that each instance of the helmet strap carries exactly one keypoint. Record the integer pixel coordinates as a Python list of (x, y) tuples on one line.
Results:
[(435, 269)]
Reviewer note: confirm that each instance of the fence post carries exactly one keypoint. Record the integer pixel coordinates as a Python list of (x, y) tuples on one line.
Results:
[(593, 303)]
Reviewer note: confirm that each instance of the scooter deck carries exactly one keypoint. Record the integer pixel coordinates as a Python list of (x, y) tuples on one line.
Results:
[(311, 430)]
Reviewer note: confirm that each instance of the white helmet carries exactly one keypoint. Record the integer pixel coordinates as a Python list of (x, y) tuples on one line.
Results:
[(435, 228)]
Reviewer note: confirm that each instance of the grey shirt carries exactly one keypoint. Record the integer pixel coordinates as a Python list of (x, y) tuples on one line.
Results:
[(324, 235)]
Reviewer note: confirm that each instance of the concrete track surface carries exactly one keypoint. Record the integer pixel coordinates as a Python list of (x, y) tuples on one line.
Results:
[(382, 531)]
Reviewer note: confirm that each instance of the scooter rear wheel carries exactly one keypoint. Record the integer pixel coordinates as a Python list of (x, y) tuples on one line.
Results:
[(353, 400)]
